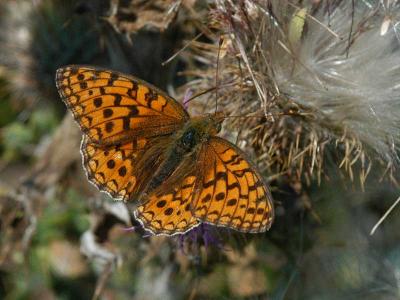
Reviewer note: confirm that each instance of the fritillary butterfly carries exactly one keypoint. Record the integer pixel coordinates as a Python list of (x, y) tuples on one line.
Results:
[(140, 144)]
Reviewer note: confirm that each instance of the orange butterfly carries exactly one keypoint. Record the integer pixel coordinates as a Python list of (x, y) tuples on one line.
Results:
[(140, 144)]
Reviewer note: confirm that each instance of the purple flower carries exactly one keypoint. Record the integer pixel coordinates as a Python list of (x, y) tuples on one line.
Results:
[(186, 98), (202, 234)]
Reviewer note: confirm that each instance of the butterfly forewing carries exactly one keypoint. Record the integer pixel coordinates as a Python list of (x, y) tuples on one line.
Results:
[(111, 107), (231, 192)]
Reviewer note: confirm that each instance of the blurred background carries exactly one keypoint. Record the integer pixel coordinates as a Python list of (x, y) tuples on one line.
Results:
[(324, 74)]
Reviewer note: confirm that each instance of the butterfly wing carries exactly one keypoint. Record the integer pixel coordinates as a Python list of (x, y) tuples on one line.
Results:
[(231, 192), (169, 211), (111, 107), (122, 170), (122, 118)]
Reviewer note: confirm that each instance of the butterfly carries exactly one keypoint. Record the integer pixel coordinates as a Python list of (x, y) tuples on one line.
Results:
[(139, 144)]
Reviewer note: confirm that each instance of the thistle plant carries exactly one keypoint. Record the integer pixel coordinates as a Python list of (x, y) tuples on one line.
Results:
[(328, 96)]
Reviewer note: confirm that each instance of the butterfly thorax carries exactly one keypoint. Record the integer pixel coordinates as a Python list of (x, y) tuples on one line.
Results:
[(186, 143), (199, 129)]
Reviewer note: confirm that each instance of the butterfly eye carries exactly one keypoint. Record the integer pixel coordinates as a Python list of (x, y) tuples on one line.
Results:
[(218, 127)]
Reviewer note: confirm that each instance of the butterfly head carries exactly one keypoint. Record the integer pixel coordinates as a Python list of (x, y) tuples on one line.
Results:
[(211, 123), (218, 118), (215, 122)]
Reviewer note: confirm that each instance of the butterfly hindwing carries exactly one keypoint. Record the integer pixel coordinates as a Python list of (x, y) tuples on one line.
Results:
[(231, 192), (110, 168), (123, 170), (169, 211)]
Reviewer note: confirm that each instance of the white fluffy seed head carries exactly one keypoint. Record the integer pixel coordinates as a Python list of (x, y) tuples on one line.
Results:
[(354, 83)]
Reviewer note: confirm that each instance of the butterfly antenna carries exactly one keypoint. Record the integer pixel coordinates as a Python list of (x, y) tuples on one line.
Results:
[(216, 75), (286, 113), (241, 96), (181, 50), (208, 91)]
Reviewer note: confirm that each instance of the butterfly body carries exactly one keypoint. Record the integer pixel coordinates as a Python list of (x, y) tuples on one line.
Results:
[(185, 143), (141, 145)]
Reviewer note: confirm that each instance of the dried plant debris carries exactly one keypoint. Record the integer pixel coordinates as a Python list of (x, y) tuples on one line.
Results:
[(327, 94), (39, 36), (131, 16), (16, 224)]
